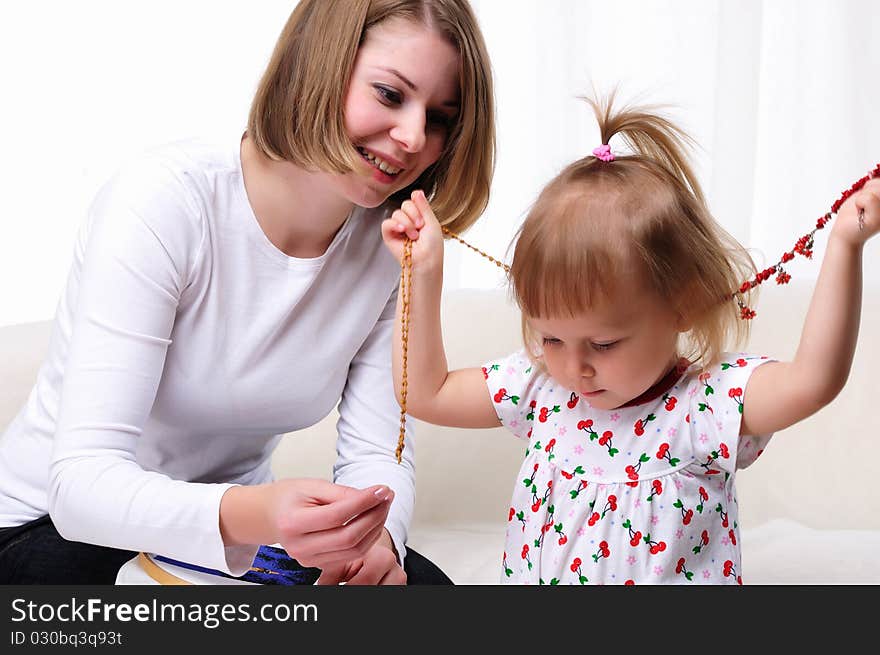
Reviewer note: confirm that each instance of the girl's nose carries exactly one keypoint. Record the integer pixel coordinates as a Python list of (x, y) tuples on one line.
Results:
[(580, 366)]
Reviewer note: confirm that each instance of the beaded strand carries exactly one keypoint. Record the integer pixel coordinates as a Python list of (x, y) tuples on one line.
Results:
[(803, 247)]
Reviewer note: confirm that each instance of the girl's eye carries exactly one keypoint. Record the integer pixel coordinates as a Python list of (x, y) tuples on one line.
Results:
[(551, 341), (604, 346), (388, 95)]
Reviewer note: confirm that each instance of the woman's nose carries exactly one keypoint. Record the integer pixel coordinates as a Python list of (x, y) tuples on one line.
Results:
[(410, 130)]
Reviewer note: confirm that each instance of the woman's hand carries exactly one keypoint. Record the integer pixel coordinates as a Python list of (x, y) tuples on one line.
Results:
[(318, 523), (416, 221), (378, 567)]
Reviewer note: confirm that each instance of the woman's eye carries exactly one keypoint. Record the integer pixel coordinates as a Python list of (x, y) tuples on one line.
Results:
[(440, 120), (604, 346), (387, 95)]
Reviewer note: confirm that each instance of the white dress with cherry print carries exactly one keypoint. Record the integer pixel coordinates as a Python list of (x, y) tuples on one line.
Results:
[(642, 494)]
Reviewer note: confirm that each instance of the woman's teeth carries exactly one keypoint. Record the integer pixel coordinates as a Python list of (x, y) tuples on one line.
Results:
[(382, 165)]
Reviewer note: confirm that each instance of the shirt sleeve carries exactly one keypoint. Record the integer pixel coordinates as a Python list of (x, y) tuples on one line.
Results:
[(369, 427), (143, 237), (716, 409), (510, 382)]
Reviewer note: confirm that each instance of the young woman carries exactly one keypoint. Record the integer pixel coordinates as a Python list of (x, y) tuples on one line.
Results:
[(224, 295)]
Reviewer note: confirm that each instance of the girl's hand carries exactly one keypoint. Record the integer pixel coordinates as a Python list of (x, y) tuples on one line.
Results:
[(859, 218), (415, 220)]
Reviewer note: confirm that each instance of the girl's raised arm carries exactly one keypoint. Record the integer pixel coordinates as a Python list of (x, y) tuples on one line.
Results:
[(780, 394), (434, 394)]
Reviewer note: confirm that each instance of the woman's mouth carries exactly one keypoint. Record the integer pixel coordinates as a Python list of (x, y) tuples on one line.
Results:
[(380, 166)]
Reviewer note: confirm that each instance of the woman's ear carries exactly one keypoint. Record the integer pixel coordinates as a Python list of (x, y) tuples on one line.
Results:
[(683, 323)]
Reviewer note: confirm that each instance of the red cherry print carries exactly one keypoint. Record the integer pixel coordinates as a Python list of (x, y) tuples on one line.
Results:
[(543, 415), (631, 472), (485, 373), (740, 362), (654, 549), (593, 519), (573, 401), (612, 501), (728, 567), (500, 395), (661, 546), (550, 445), (705, 537), (575, 564), (724, 452), (703, 494), (680, 566), (736, 391), (661, 452), (562, 540), (670, 404), (535, 468), (687, 419), (724, 522), (657, 486), (525, 551), (511, 514), (637, 537), (536, 506), (629, 583), (546, 527), (639, 428), (605, 437), (732, 536), (739, 580), (533, 404), (688, 515), (567, 475)]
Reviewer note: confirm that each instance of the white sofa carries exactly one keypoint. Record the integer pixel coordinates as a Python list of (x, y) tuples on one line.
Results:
[(808, 506)]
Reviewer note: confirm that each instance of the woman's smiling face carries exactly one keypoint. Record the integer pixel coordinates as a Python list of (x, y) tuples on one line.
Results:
[(401, 103)]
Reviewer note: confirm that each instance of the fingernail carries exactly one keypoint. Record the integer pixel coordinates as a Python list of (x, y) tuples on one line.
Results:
[(381, 491)]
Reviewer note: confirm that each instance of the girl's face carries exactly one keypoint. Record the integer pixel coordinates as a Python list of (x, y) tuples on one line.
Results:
[(612, 353), (402, 100)]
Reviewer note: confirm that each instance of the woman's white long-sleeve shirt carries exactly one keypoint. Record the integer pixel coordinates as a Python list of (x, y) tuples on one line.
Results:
[(184, 345)]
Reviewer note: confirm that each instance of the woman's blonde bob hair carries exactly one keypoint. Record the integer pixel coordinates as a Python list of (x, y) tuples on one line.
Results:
[(297, 112), (643, 215)]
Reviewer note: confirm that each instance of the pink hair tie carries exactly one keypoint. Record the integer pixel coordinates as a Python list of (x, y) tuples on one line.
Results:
[(603, 152)]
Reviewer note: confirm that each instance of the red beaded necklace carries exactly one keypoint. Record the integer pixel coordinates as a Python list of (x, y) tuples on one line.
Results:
[(803, 247)]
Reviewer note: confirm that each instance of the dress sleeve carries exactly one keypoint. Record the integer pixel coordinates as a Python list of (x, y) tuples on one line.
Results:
[(510, 381), (715, 415), (141, 241), (369, 425)]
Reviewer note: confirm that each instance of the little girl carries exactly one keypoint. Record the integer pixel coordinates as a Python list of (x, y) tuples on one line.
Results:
[(636, 418)]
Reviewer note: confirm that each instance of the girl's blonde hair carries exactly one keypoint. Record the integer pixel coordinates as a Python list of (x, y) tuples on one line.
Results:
[(641, 213), (297, 112)]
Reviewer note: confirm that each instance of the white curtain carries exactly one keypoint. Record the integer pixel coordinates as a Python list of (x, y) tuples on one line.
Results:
[(781, 94), (782, 97)]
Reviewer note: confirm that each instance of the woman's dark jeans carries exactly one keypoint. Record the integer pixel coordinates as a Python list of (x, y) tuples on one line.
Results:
[(34, 553)]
